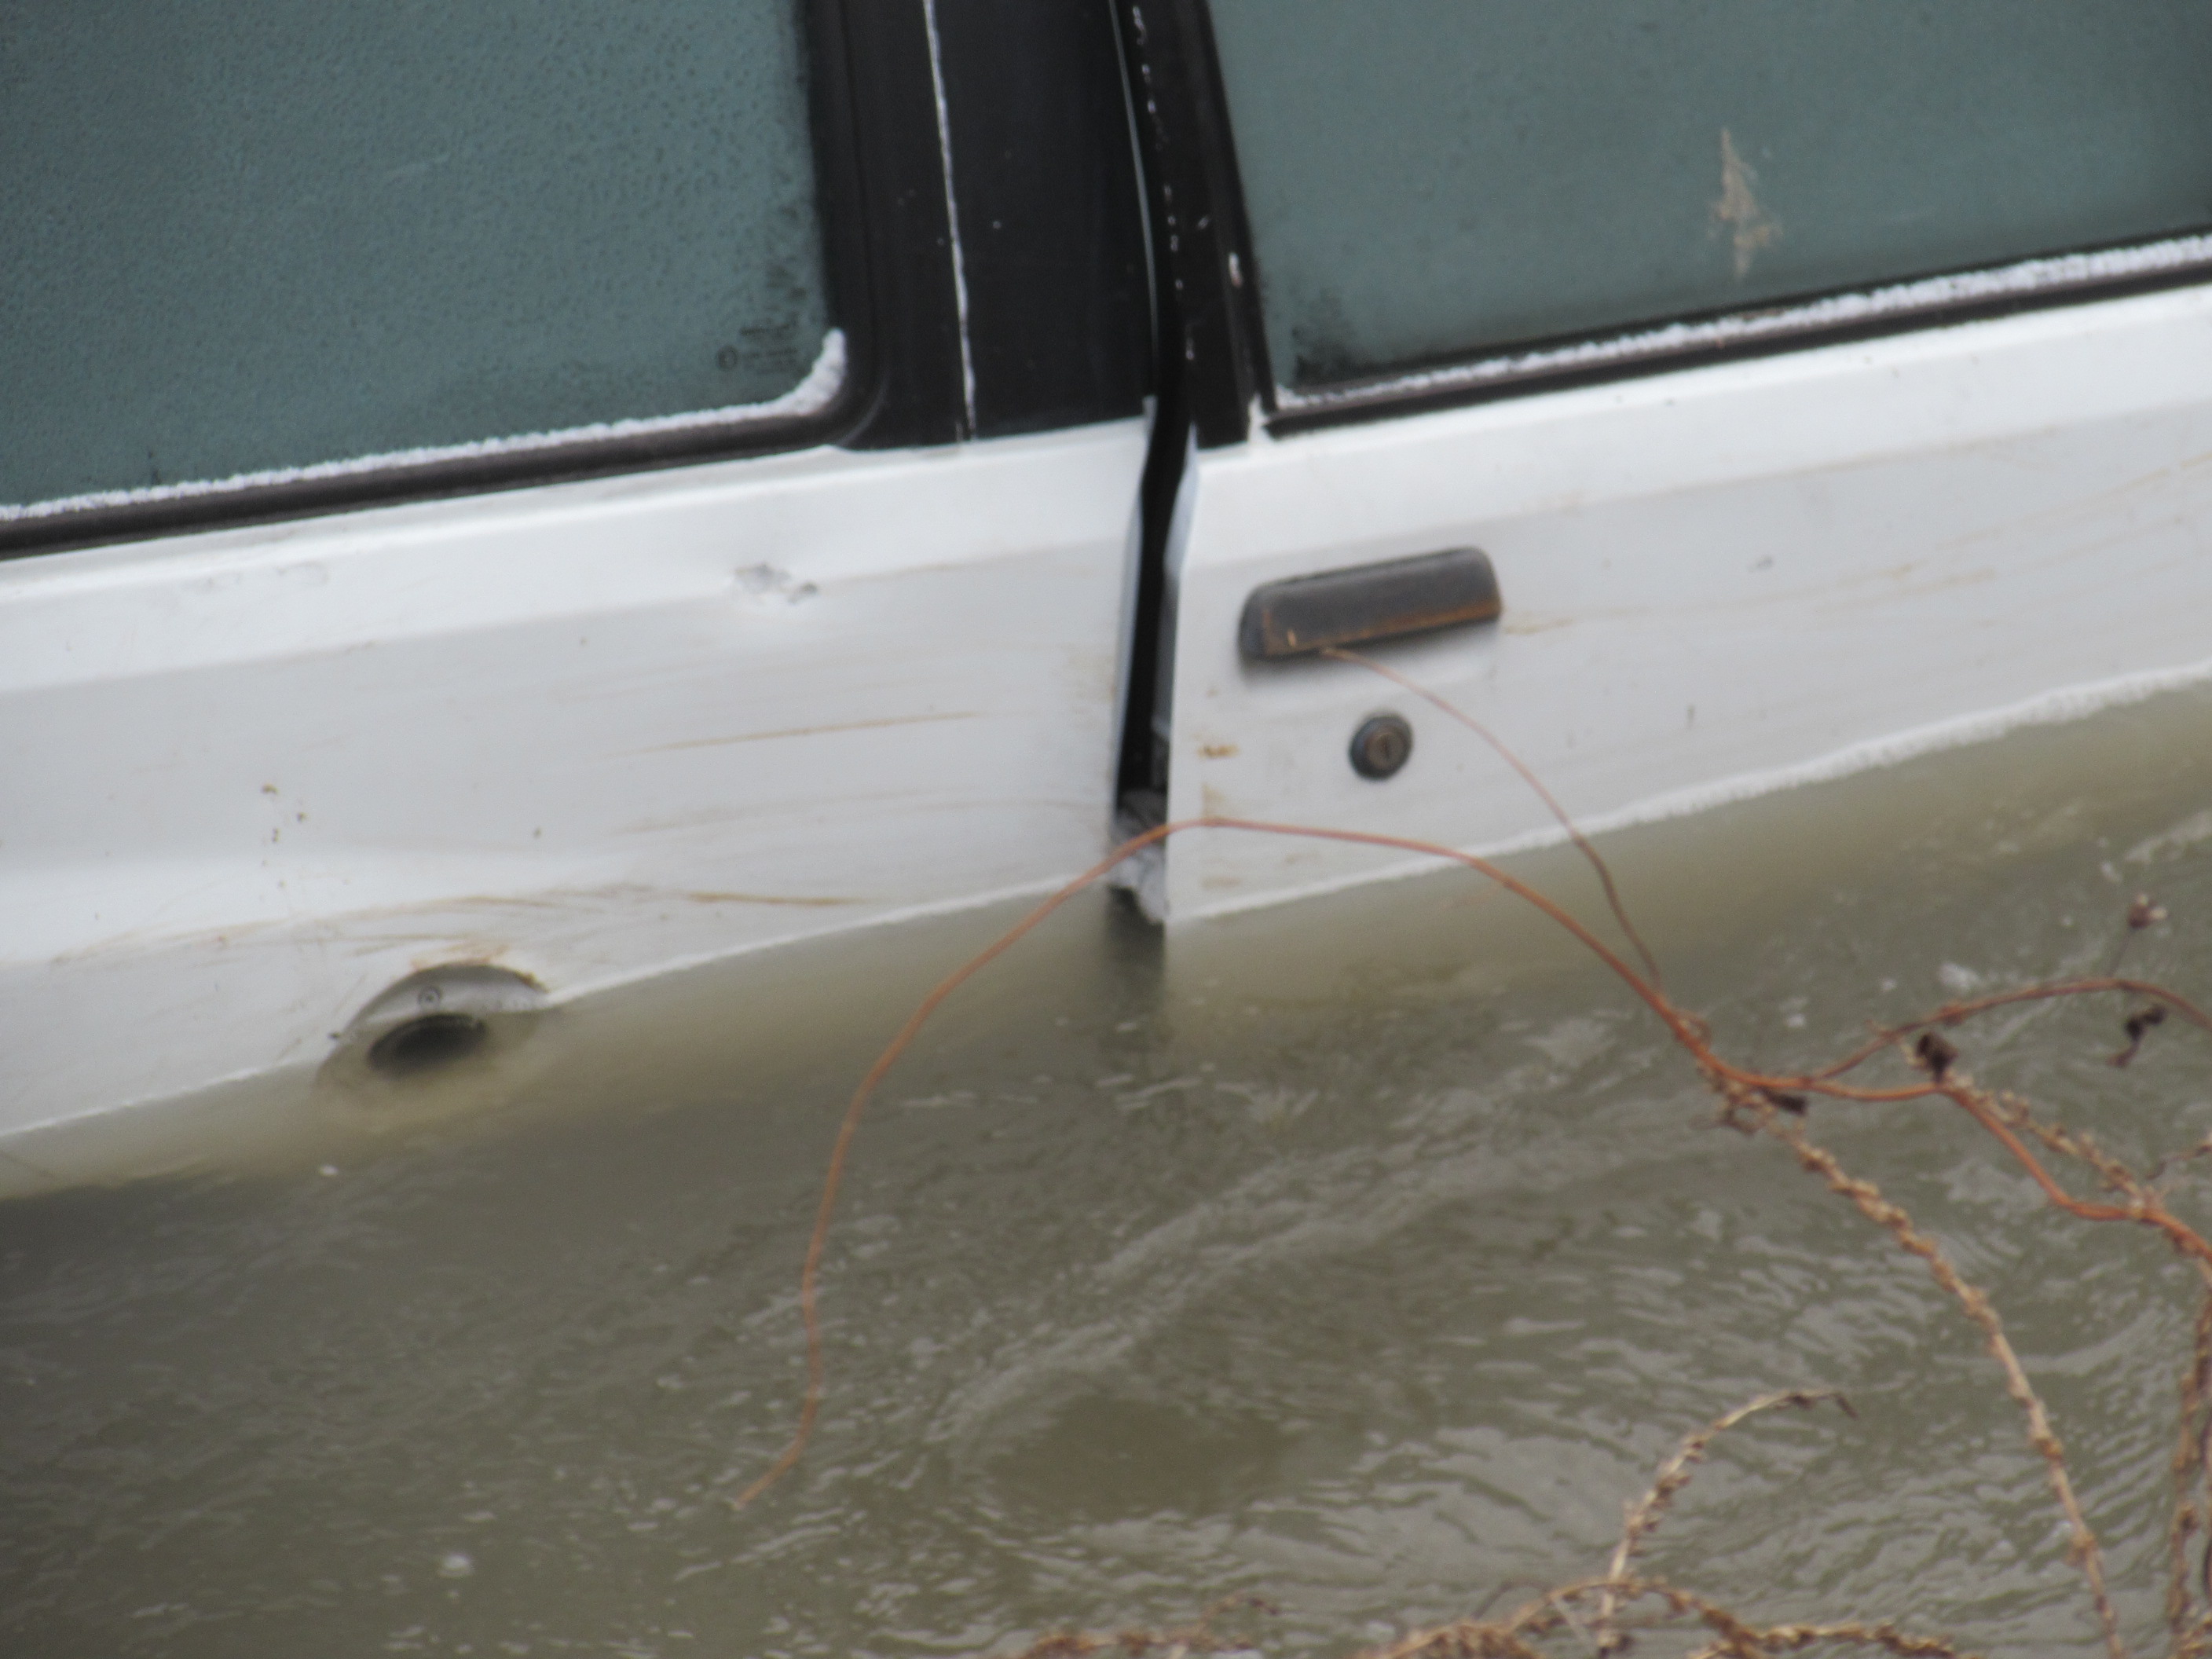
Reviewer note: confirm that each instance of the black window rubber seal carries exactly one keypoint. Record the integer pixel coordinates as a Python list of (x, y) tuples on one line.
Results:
[(1210, 283)]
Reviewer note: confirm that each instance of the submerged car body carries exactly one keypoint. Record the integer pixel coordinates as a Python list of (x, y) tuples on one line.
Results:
[(475, 551)]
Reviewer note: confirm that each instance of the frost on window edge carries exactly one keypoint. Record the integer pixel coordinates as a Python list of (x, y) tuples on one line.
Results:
[(2057, 273), (814, 394)]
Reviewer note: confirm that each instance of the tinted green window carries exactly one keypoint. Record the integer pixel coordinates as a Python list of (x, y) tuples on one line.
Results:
[(1427, 178), (235, 240)]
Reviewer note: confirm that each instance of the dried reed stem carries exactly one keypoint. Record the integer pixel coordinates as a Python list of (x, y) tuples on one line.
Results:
[(1643, 1517), (1868, 1200), (2185, 1623), (1197, 1637), (1518, 1633)]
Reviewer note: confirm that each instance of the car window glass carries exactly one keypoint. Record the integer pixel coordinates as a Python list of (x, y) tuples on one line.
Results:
[(241, 240), (1426, 178)]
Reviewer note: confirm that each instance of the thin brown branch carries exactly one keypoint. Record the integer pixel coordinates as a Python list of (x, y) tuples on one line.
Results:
[(2143, 1206), (1574, 831), (810, 1272), (1954, 1014)]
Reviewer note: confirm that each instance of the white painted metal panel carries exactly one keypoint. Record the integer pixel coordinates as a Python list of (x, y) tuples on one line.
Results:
[(1717, 580), (587, 732)]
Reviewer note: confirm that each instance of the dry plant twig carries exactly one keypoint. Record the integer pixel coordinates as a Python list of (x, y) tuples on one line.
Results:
[(1528, 777), (1868, 1200), (1517, 1634), (1644, 1514)]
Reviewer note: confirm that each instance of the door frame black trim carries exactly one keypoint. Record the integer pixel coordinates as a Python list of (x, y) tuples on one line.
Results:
[(1050, 210), (1209, 326)]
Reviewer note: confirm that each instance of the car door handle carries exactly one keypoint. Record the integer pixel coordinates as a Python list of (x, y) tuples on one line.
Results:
[(1371, 602)]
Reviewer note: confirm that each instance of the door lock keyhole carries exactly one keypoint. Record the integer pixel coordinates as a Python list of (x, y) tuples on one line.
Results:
[(1382, 746)]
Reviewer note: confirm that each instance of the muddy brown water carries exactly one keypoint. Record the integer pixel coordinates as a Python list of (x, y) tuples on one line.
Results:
[(1367, 1256)]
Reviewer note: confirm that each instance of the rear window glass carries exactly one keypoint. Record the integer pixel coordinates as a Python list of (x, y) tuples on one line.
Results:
[(243, 242), (1432, 178)]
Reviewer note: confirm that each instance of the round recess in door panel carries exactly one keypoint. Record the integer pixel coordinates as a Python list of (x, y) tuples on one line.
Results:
[(1382, 746), (433, 1024)]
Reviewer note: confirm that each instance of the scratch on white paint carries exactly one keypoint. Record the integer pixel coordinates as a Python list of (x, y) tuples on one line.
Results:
[(768, 584), (1751, 228), (806, 732), (810, 397), (2052, 275), (952, 215)]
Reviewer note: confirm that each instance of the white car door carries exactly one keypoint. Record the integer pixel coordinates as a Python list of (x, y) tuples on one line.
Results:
[(508, 499), (1820, 382)]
